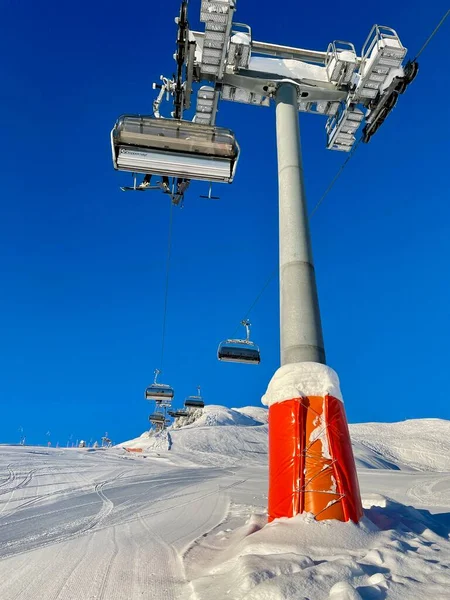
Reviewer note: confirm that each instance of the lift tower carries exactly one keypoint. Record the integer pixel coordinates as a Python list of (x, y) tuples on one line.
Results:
[(353, 91)]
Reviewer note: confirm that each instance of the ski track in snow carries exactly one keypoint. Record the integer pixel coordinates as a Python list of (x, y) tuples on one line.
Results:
[(186, 519)]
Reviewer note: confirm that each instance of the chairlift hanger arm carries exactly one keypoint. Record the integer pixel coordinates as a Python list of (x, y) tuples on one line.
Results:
[(246, 324)]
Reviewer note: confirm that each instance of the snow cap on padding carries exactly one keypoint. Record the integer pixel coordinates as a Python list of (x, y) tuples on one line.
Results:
[(299, 380)]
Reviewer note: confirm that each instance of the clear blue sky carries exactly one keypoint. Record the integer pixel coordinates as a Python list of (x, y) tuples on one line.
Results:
[(82, 264)]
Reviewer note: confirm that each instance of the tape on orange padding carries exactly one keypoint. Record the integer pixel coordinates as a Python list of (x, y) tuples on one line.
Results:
[(133, 449), (311, 463)]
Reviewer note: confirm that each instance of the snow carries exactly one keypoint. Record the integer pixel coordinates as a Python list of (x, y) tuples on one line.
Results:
[(300, 380), (257, 413), (213, 436), (185, 518), (241, 38), (396, 552), (289, 68), (399, 442)]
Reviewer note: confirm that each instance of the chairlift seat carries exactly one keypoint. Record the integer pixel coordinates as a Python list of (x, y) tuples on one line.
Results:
[(194, 402), (174, 148), (159, 392), (178, 413), (156, 418), (239, 351)]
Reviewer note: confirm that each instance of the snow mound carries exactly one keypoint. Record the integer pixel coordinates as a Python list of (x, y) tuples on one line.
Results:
[(215, 435), (222, 436), (220, 416), (396, 551)]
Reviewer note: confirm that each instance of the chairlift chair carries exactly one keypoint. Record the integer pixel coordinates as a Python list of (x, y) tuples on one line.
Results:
[(159, 392), (194, 401), (157, 418), (178, 413), (174, 148), (240, 350)]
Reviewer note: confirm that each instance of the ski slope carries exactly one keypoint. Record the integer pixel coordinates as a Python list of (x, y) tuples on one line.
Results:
[(184, 518)]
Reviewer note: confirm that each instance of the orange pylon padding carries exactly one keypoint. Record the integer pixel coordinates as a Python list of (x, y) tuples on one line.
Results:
[(311, 463)]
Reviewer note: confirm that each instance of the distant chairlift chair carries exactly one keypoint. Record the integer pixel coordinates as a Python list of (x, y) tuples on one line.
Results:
[(176, 414), (159, 392), (194, 401), (158, 419), (238, 350)]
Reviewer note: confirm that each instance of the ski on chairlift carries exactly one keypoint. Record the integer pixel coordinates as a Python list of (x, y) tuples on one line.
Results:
[(240, 350), (159, 392), (194, 401)]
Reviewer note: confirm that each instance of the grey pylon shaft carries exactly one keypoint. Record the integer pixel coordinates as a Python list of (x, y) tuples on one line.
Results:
[(301, 338)]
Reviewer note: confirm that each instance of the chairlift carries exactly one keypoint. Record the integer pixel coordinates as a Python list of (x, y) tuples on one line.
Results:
[(239, 350), (194, 401), (178, 413), (174, 148), (159, 392), (157, 418)]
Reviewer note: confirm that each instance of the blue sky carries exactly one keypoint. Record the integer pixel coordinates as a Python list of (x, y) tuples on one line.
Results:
[(82, 264)]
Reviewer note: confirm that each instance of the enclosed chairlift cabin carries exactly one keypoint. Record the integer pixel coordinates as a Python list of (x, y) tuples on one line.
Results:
[(174, 148), (238, 350), (194, 401), (159, 392)]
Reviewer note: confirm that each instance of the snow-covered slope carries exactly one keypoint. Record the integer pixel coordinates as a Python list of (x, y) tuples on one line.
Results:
[(421, 444), (220, 416), (396, 553), (185, 519), (218, 436)]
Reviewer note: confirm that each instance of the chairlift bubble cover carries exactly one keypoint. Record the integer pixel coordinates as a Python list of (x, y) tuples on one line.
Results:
[(194, 402), (240, 351), (178, 413), (174, 148), (158, 391), (156, 418)]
